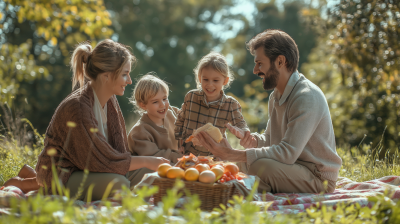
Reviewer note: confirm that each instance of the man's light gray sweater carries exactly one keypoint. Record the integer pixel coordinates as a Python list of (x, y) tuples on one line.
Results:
[(299, 128)]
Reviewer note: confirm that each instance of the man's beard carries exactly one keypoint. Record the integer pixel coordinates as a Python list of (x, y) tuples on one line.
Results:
[(270, 80)]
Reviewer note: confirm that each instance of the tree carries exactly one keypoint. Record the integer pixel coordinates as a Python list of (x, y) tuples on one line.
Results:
[(167, 37), (36, 40), (296, 19), (365, 42)]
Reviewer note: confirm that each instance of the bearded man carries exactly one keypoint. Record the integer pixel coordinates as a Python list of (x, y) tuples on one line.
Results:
[(297, 151)]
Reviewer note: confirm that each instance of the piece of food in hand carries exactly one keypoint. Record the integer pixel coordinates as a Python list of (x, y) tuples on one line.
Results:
[(207, 177), (192, 174), (231, 168), (218, 171), (239, 132), (202, 167), (214, 132), (175, 172), (163, 168)]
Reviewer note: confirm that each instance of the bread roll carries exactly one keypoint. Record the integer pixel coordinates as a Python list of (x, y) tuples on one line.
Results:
[(214, 132)]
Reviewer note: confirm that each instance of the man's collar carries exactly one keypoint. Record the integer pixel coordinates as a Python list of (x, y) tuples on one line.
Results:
[(294, 78), (202, 96)]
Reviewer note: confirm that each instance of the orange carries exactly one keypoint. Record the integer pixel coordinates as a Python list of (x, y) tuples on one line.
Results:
[(219, 166), (207, 177), (191, 174), (218, 171), (175, 172), (202, 167), (162, 169), (230, 167)]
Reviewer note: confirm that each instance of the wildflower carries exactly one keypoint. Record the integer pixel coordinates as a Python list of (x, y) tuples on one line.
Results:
[(71, 124), (51, 152)]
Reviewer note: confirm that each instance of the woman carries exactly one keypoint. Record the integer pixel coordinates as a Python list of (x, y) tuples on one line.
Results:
[(87, 130)]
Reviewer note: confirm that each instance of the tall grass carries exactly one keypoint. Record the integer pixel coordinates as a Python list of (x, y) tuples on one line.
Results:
[(358, 164)]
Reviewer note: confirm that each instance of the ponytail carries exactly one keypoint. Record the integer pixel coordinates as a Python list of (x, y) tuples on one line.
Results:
[(107, 56), (79, 60)]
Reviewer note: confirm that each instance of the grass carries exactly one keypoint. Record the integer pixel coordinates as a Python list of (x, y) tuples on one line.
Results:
[(358, 165)]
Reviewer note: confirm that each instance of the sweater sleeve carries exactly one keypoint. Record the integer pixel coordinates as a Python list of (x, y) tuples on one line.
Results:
[(180, 120), (142, 143), (304, 116)]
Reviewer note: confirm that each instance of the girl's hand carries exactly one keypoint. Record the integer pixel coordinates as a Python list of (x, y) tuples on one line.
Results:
[(248, 141), (154, 162), (239, 133), (196, 141)]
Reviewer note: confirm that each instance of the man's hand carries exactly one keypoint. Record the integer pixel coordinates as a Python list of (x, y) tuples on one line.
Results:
[(239, 133), (248, 141), (154, 162), (222, 150)]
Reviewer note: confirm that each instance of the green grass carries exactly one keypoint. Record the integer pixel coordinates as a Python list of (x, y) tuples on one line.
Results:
[(358, 165)]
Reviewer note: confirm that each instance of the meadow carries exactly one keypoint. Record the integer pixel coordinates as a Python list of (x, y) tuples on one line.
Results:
[(359, 164)]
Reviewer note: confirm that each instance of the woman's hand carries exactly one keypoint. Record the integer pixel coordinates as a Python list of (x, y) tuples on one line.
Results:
[(248, 141), (154, 162)]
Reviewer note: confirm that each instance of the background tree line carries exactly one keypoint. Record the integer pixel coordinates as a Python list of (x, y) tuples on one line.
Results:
[(350, 50)]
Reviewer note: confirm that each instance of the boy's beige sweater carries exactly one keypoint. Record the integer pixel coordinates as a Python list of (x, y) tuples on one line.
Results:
[(148, 139), (299, 129)]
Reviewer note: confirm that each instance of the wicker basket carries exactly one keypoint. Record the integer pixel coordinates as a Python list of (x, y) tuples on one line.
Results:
[(210, 195)]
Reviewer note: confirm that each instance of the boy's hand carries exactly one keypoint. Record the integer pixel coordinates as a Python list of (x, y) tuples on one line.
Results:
[(154, 162), (239, 133)]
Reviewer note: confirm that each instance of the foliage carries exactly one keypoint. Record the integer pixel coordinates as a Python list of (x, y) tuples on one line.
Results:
[(167, 37), (36, 38), (364, 40), (168, 45), (57, 209), (298, 19)]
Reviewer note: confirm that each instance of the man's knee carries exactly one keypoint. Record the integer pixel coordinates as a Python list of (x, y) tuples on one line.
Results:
[(262, 167)]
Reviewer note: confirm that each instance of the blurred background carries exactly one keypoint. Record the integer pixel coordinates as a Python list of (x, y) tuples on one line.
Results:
[(349, 48)]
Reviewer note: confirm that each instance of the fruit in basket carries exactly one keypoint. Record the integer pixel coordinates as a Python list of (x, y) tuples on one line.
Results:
[(207, 177), (162, 169), (186, 162), (192, 174), (218, 171), (232, 168), (208, 128), (202, 167), (221, 166), (175, 172)]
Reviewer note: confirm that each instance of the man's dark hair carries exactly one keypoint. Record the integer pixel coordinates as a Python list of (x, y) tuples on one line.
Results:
[(275, 43)]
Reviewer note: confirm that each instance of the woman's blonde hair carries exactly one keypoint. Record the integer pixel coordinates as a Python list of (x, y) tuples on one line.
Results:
[(215, 61), (146, 88), (107, 56)]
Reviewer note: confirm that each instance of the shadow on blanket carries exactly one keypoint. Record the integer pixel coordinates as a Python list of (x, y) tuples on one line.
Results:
[(284, 203)]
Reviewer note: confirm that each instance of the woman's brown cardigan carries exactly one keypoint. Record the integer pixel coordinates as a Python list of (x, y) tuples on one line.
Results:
[(81, 147)]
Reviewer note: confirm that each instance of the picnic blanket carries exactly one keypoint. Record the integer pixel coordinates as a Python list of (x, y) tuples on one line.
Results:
[(346, 191)]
